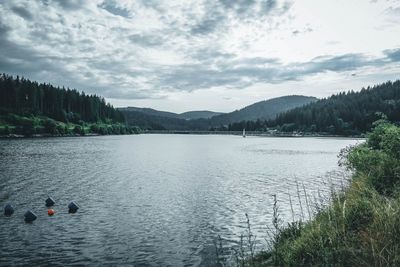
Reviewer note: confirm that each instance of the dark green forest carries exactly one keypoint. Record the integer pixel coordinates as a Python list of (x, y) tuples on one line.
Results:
[(350, 113), (22, 96), (28, 107)]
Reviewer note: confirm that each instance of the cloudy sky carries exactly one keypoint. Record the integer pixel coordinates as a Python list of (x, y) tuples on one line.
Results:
[(201, 54)]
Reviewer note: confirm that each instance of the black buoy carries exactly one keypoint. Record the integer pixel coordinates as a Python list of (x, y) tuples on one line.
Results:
[(72, 207), (50, 202), (30, 216), (8, 210)]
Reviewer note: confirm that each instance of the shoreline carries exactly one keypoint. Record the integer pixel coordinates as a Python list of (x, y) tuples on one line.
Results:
[(37, 136)]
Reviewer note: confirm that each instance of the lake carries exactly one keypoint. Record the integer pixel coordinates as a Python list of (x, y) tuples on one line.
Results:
[(157, 200)]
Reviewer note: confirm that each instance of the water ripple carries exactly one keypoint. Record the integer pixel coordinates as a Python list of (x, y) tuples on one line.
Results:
[(153, 199)]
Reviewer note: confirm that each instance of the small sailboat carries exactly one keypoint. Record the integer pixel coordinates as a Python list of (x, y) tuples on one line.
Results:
[(244, 132)]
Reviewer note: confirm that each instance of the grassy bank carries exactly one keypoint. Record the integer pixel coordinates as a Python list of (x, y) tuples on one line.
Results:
[(360, 226), (30, 125)]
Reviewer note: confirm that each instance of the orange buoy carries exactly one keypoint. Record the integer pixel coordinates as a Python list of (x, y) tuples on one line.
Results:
[(51, 212)]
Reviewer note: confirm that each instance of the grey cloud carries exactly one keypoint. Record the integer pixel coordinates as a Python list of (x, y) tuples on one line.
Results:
[(217, 13), (146, 40), (393, 54), (23, 12), (247, 7), (242, 73), (115, 10), (206, 54), (207, 25), (338, 63), (4, 29), (214, 17), (306, 30), (69, 4)]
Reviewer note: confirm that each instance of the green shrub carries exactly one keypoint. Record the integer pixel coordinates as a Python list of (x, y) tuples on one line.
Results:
[(358, 214), (79, 130), (50, 126), (5, 130), (379, 158), (27, 126)]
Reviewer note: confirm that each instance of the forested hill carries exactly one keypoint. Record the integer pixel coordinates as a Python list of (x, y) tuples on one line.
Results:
[(262, 110), (190, 115), (155, 122), (198, 114), (205, 120), (149, 111), (22, 96), (30, 108), (348, 113)]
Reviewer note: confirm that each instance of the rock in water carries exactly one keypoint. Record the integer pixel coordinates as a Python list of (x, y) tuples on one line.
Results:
[(50, 202), (72, 207), (30, 216), (8, 210)]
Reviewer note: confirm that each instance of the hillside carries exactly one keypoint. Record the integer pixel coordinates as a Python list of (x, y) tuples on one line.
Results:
[(200, 114), (262, 110), (346, 113), (350, 113), (190, 115), (29, 108), (150, 111), (156, 122), (148, 118)]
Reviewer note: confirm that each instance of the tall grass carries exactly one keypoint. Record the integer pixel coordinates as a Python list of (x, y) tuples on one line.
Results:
[(360, 226)]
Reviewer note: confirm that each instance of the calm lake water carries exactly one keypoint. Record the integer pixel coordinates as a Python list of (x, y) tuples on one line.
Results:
[(158, 200)]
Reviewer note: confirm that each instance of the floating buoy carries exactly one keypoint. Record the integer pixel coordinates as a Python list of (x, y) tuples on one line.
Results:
[(50, 202), (8, 210), (30, 216), (51, 212), (72, 207)]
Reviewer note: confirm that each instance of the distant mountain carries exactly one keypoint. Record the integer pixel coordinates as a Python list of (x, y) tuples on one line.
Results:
[(151, 119), (201, 114), (148, 118), (150, 111), (190, 115), (263, 110)]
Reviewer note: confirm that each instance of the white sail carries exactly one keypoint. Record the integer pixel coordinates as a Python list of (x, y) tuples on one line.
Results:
[(244, 132)]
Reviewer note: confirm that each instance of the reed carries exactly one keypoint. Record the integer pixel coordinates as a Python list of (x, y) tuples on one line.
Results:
[(357, 225)]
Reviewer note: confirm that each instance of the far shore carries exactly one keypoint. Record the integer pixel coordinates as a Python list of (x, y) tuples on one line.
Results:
[(175, 132), (250, 133)]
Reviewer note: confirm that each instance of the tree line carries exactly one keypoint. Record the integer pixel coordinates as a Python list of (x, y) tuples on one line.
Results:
[(25, 97), (350, 113)]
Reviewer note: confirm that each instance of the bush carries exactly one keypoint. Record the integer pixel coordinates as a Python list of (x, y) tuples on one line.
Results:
[(358, 214), (27, 126), (94, 128), (79, 130), (5, 130), (50, 126), (378, 158)]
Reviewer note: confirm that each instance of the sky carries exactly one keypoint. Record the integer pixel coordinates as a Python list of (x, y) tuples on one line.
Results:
[(218, 55)]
